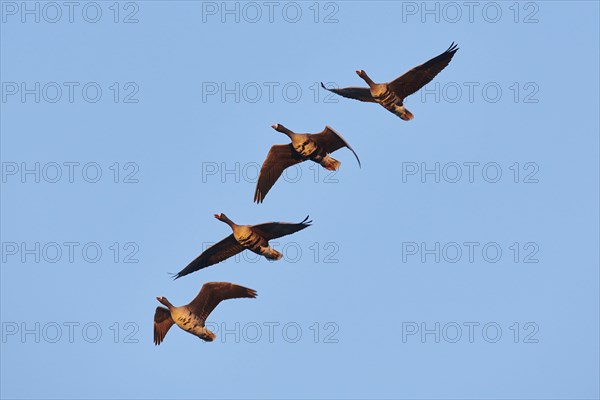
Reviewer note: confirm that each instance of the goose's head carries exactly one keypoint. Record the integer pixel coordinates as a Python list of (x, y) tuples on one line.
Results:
[(221, 217), (163, 300), (365, 77), (282, 129)]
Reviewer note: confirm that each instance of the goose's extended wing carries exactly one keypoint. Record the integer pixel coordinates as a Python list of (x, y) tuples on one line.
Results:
[(273, 230), (421, 75), (331, 141), (212, 293), (216, 253), (356, 93), (162, 324), (280, 157)]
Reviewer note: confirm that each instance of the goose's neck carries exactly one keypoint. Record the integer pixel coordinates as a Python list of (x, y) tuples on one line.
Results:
[(290, 134), (367, 79), (168, 304), (229, 222), (286, 131)]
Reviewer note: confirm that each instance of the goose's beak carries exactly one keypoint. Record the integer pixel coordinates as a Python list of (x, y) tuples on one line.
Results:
[(275, 126), (217, 216)]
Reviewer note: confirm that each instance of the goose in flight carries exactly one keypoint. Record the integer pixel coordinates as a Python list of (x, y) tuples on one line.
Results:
[(391, 95), (252, 237), (192, 317), (304, 146)]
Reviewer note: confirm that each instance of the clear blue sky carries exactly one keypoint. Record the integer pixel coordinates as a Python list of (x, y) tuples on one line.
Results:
[(365, 275)]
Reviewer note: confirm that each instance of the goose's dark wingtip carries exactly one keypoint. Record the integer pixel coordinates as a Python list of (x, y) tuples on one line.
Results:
[(453, 48), (175, 276), (258, 197), (325, 87), (357, 159), (307, 222)]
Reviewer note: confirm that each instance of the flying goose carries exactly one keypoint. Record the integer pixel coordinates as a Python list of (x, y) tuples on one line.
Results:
[(192, 317), (391, 95), (304, 146), (252, 237)]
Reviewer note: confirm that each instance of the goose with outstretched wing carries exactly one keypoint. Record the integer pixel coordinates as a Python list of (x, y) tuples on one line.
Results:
[(315, 147), (391, 95), (192, 317), (244, 237)]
